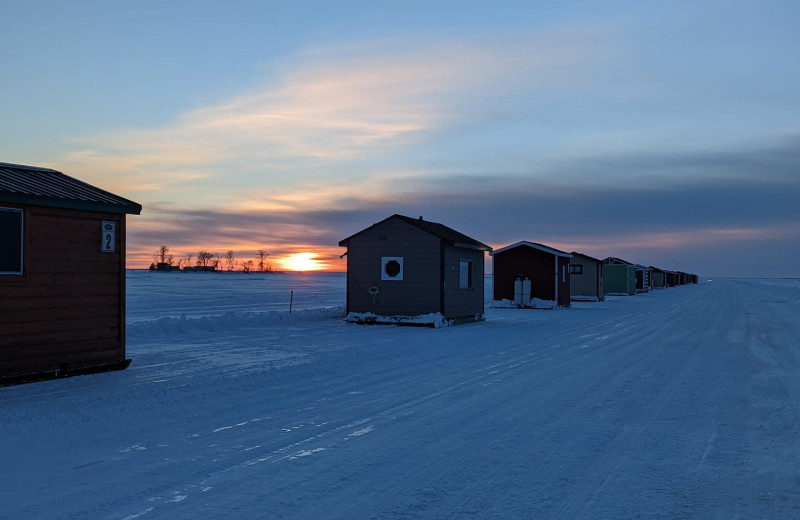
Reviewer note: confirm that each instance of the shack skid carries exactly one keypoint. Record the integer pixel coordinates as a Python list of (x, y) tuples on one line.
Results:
[(534, 303), (434, 319)]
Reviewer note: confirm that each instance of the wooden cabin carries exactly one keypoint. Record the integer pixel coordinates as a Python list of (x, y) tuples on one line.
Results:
[(672, 278), (619, 279), (62, 275), (642, 273), (545, 268), (412, 271), (586, 278), (658, 278)]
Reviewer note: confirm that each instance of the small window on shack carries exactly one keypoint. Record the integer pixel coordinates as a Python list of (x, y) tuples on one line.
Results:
[(575, 269), (10, 241), (465, 274)]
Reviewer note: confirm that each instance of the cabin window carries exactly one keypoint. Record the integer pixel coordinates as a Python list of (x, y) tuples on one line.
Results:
[(563, 274), (465, 274), (10, 241), (575, 269), (391, 268)]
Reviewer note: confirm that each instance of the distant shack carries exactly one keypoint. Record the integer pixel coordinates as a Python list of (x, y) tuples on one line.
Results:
[(62, 275), (412, 271), (543, 270), (586, 278)]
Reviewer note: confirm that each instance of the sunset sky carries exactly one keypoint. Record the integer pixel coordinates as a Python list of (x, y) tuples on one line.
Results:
[(665, 133)]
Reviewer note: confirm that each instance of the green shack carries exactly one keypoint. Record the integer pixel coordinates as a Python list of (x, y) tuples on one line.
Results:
[(619, 279)]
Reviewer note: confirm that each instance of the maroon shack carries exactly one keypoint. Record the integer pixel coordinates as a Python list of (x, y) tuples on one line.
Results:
[(531, 275), (62, 275)]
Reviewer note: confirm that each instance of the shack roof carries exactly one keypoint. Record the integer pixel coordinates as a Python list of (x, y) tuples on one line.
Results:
[(593, 259), (440, 231), (45, 187), (615, 260), (534, 245)]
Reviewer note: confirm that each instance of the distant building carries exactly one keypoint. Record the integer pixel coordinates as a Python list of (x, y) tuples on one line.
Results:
[(619, 279), (531, 275), (62, 275), (586, 278), (658, 278), (413, 271), (642, 273)]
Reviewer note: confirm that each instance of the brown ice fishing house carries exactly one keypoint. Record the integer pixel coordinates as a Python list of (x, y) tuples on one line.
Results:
[(403, 269), (62, 275)]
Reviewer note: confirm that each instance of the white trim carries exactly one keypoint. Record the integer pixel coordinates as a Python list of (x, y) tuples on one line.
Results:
[(532, 245), (386, 260)]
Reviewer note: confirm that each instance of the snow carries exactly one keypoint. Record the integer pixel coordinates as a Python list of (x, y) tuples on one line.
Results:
[(681, 403)]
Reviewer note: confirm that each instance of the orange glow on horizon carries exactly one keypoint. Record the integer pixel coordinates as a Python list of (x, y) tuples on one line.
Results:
[(301, 262), (291, 258)]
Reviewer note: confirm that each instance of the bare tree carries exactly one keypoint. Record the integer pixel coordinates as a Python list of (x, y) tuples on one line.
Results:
[(229, 260), (188, 260), (162, 255), (247, 266), (203, 258), (263, 265)]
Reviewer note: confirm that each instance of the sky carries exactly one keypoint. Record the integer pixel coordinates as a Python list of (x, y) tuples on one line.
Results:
[(664, 133)]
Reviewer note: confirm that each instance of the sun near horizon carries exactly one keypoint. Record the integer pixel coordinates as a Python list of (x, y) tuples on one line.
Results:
[(302, 262)]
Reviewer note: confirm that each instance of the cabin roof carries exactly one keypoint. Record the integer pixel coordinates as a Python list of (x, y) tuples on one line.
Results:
[(615, 260), (440, 231), (46, 187), (593, 259), (533, 245)]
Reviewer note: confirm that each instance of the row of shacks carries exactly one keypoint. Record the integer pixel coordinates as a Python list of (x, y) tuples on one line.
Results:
[(62, 275), (407, 270)]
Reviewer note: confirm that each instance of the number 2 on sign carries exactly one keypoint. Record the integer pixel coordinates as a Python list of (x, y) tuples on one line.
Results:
[(108, 237)]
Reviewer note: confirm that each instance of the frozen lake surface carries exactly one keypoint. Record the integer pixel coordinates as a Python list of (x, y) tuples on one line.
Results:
[(681, 403)]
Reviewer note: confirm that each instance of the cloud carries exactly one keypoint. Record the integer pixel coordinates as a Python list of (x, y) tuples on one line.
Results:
[(330, 111)]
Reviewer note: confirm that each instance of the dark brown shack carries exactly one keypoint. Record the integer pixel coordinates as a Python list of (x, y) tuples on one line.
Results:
[(546, 268), (407, 270), (62, 275)]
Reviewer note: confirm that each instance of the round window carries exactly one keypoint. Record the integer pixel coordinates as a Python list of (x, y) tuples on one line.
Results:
[(392, 268)]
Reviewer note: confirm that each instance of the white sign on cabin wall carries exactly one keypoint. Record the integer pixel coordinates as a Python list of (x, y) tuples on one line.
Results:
[(109, 237)]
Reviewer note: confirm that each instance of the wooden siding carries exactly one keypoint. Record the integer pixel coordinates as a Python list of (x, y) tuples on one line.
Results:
[(539, 266), (67, 310), (420, 290), (588, 285)]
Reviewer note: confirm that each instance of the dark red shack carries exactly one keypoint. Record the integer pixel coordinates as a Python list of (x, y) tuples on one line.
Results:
[(62, 275), (546, 268)]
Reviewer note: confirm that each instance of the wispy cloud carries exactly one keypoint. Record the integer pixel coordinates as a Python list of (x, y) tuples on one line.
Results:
[(330, 110)]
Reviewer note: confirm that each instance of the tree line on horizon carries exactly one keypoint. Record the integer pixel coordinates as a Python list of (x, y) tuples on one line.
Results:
[(163, 260)]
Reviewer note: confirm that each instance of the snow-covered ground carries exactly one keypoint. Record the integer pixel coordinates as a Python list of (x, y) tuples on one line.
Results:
[(682, 403)]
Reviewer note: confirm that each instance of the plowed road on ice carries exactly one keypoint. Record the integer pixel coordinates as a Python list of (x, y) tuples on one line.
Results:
[(681, 403)]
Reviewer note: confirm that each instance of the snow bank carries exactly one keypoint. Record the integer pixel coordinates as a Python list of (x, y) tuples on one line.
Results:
[(434, 319), (229, 321), (535, 303)]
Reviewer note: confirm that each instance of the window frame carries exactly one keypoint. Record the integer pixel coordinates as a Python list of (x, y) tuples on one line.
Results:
[(575, 268), (21, 212), (470, 272)]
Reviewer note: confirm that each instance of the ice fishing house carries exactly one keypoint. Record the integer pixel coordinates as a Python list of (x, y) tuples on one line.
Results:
[(62, 275), (586, 278), (413, 271), (531, 275)]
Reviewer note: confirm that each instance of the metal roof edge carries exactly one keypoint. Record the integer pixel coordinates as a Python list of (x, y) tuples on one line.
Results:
[(533, 245), (129, 208)]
